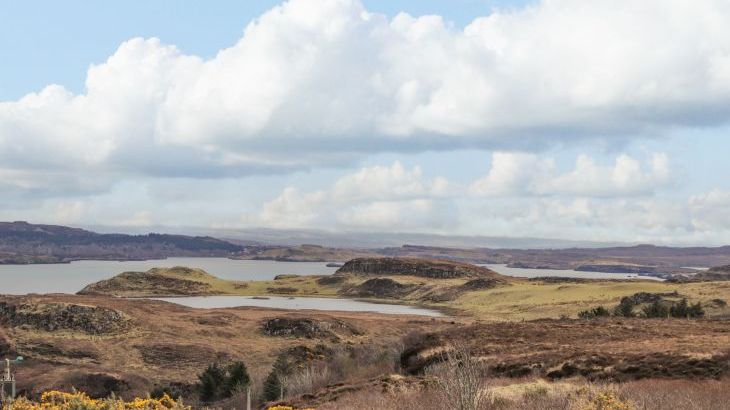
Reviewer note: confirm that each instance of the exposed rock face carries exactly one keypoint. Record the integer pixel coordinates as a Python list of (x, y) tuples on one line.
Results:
[(379, 288), (718, 273), (720, 269), (331, 280), (307, 328), (427, 268), (155, 282), (59, 316)]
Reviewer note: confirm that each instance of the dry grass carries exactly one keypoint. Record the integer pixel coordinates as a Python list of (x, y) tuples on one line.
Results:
[(540, 395)]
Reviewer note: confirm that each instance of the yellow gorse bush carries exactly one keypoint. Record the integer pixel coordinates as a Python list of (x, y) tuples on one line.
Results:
[(606, 400), (57, 400), (285, 408)]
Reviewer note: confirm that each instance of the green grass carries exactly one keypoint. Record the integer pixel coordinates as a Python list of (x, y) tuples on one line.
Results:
[(519, 300)]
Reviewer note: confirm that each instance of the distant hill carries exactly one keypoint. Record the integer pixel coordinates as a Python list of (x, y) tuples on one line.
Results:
[(427, 268), (22, 242), (304, 253)]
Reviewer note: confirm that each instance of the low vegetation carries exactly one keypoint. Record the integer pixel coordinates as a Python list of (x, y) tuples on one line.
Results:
[(650, 305), (56, 400), (217, 382)]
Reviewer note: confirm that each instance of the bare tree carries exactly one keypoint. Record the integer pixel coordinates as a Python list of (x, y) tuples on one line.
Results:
[(459, 378)]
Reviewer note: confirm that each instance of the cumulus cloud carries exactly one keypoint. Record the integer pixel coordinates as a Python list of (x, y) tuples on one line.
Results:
[(376, 197), (315, 82), (387, 183), (520, 174)]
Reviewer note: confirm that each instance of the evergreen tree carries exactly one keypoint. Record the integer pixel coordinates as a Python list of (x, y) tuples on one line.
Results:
[(237, 379), (211, 383), (272, 387)]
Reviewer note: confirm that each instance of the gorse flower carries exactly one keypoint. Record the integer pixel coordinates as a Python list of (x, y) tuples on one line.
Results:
[(57, 400)]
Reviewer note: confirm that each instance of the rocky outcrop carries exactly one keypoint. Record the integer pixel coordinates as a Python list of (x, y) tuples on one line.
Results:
[(60, 316), (378, 288), (718, 273), (178, 281), (427, 268), (332, 329), (725, 269)]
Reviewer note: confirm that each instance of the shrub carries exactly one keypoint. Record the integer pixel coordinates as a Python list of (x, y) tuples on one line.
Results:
[(599, 311), (625, 308), (656, 309), (56, 400), (606, 400), (459, 380), (684, 309)]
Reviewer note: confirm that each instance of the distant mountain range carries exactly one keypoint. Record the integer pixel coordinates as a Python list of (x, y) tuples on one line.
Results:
[(22, 242), (364, 240)]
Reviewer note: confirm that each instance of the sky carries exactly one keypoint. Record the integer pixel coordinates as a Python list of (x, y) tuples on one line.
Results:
[(604, 120)]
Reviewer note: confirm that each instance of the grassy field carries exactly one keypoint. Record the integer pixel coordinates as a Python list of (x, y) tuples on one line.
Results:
[(534, 300), (519, 299)]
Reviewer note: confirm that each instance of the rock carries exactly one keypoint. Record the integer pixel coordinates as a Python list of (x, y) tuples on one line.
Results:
[(285, 276), (178, 281), (282, 290), (379, 288), (308, 328), (331, 280), (718, 273), (61, 316), (427, 268)]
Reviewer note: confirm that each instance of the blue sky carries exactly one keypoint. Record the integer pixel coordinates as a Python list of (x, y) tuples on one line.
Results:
[(54, 42), (557, 119)]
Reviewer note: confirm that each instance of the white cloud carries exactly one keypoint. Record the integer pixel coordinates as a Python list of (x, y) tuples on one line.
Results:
[(711, 211), (519, 174), (625, 177), (420, 214), (313, 82), (514, 174), (376, 197), (387, 183), (293, 209)]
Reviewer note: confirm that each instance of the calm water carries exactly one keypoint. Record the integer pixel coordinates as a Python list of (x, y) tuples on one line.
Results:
[(72, 277), (535, 273), (349, 305)]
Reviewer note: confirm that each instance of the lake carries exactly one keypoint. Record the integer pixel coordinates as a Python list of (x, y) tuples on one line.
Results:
[(563, 273), (297, 303), (72, 277)]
